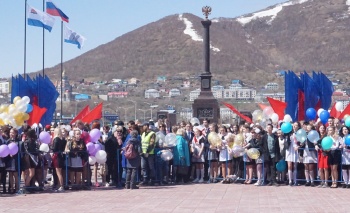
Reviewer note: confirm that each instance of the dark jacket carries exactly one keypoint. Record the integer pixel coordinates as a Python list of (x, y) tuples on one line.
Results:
[(261, 145), (135, 162), (111, 148), (277, 146)]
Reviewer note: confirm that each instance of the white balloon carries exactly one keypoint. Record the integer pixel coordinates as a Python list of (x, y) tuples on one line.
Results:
[(287, 118), (68, 128), (274, 117), (101, 161), (44, 147), (71, 133), (26, 99), (195, 121), (319, 112), (92, 160), (339, 106), (101, 155), (268, 112)]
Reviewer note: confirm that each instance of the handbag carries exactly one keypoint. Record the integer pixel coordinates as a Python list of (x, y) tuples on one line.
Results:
[(182, 169)]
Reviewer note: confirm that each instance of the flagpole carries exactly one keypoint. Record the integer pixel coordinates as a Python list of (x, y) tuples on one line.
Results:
[(61, 68), (25, 38), (43, 43)]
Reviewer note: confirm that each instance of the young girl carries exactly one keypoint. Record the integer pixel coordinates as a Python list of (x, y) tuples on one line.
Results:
[(197, 148), (282, 143), (12, 163), (225, 156), (292, 154), (77, 157), (334, 156), (59, 145), (309, 159), (248, 136), (213, 157), (344, 131), (322, 158), (30, 158)]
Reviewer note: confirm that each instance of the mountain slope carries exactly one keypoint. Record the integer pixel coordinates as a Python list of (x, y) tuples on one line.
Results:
[(297, 35)]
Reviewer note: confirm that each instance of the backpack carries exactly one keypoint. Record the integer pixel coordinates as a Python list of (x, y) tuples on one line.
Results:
[(130, 152)]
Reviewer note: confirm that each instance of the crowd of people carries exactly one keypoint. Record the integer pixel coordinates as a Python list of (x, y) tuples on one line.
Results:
[(135, 156)]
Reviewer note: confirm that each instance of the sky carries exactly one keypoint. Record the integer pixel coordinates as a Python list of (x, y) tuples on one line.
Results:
[(99, 21)]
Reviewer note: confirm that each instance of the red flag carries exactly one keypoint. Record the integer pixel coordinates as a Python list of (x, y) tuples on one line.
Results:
[(262, 106), (94, 114), (237, 112), (301, 101), (278, 107), (81, 114), (334, 112), (345, 111), (36, 114)]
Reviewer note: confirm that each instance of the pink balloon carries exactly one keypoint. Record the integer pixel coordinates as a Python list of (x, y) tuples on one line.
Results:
[(13, 148), (95, 134), (4, 150), (45, 137)]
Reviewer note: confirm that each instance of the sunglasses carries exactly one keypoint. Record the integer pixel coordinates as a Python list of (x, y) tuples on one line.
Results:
[(119, 131)]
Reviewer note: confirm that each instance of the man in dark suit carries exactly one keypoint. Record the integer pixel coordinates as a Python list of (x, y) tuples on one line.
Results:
[(271, 146), (205, 133)]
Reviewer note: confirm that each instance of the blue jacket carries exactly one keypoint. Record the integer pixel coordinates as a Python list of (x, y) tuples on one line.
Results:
[(181, 152), (123, 145)]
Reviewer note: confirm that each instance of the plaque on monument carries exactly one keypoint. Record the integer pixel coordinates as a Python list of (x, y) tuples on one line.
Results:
[(205, 113), (205, 84)]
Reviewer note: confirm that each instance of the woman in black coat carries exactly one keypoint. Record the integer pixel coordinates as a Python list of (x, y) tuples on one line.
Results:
[(133, 164)]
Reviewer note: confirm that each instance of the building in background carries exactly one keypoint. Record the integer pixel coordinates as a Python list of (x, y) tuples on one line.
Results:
[(152, 93), (66, 88), (4, 86)]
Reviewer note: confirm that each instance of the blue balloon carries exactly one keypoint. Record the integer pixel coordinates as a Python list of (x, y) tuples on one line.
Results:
[(347, 121), (324, 115), (327, 143), (29, 108), (347, 140), (286, 127), (281, 165), (311, 113)]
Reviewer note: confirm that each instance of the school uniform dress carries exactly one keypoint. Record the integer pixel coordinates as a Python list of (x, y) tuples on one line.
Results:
[(291, 154), (345, 157), (310, 154)]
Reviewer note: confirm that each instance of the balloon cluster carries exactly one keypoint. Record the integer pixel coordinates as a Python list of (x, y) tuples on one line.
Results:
[(15, 114), (10, 149), (96, 155), (214, 139), (170, 140)]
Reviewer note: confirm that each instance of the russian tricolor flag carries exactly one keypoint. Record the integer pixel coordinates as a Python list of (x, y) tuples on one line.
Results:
[(55, 11)]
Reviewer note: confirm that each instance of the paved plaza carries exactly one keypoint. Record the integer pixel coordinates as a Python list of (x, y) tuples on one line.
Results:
[(185, 198)]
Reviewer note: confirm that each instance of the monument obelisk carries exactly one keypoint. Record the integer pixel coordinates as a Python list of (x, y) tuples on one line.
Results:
[(206, 106)]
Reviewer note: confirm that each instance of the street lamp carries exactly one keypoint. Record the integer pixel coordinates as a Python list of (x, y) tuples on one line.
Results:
[(135, 107), (144, 113), (152, 107), (125, 109)]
